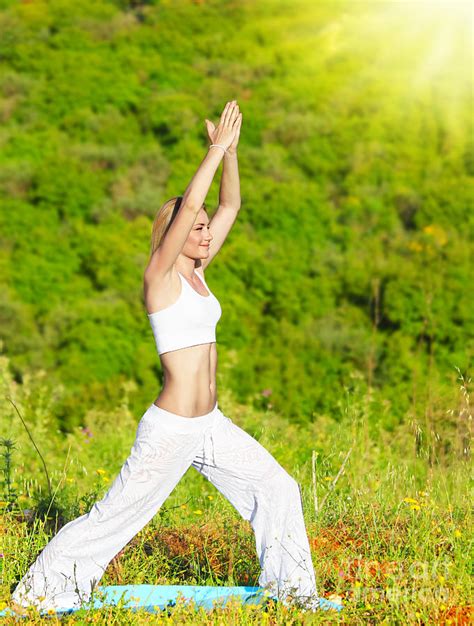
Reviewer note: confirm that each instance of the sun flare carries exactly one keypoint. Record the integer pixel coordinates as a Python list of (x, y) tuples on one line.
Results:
[(407, 51)]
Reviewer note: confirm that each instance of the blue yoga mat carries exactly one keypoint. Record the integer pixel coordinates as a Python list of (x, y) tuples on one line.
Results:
[(154, 598)]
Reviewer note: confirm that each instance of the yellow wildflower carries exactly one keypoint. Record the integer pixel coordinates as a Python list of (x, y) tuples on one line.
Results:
[(438, 234), (101, 471), (414, 245), (412, 500), (210, 497), (457, 533), (415, 507), (441, 579), (198, 512)]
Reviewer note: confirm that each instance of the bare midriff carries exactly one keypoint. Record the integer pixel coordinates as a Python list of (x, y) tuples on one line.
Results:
[(189, 387)]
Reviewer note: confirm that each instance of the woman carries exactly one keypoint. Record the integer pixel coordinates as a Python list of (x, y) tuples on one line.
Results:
[(184, 426)]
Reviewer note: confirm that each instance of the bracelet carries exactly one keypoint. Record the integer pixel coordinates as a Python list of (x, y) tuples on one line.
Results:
[(217, 145)]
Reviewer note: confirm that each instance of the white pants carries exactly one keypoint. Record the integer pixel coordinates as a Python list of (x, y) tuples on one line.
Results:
[(166, 445)]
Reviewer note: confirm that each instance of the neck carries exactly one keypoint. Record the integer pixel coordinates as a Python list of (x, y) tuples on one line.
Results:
[(187, 266)]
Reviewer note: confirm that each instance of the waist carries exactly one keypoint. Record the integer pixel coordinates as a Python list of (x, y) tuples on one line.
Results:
[(187, 401), (173, 416)]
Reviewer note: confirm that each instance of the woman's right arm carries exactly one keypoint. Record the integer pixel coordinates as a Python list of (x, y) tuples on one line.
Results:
[(165, 256)]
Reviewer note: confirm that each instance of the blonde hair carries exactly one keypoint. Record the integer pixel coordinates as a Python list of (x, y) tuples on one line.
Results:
[(162, 222)]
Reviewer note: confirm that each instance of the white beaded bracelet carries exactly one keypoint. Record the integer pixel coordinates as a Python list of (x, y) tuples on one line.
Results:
[(217, 145)]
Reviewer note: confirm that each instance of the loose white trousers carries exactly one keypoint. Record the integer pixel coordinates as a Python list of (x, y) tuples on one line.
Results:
[(165, 446)]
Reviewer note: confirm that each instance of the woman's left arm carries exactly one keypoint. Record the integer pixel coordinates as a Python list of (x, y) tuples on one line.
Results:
[(229, 192), (229, 198)]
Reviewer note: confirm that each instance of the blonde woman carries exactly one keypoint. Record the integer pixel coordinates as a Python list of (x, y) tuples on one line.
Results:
[(184, 426)]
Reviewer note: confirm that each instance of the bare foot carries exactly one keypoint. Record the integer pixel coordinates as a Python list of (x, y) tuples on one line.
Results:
[(17, 608)]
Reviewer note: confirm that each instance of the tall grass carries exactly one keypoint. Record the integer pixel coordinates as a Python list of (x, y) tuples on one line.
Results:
[(386, 511)]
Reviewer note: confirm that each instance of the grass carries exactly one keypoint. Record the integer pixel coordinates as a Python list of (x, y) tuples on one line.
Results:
[(387, 516)]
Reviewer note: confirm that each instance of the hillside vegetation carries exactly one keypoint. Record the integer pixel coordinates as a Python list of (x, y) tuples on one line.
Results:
[(351, 250)]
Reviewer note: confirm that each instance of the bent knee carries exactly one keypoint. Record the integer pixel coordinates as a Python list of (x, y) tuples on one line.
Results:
[(281, 484)]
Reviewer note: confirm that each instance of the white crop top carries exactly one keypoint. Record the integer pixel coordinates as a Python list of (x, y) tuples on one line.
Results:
[(189, 321)]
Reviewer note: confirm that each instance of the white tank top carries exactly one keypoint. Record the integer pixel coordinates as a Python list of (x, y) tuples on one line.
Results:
[(189, 321)]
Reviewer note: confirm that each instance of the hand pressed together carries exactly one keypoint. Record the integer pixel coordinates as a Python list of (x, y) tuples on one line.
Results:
[(227, 132)]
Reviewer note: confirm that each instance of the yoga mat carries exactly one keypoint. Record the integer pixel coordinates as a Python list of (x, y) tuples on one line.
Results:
[(155, 598)]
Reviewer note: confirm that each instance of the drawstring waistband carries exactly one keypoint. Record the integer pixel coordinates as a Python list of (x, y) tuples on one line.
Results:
[(202, 424)]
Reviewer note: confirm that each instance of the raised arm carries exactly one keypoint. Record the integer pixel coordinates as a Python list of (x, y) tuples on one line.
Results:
[(166, 254), (229, 195)]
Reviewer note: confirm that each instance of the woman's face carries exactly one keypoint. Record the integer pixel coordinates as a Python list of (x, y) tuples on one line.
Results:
[(199, 239)]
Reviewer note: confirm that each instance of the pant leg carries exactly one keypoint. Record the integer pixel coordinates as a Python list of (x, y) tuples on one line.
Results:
[(76, 557), (263, 493)]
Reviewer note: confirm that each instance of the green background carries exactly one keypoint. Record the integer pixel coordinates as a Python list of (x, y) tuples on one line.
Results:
[(350, 257)]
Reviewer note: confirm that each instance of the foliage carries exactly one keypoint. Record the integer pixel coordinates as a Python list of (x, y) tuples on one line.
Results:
[(351, 250)]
